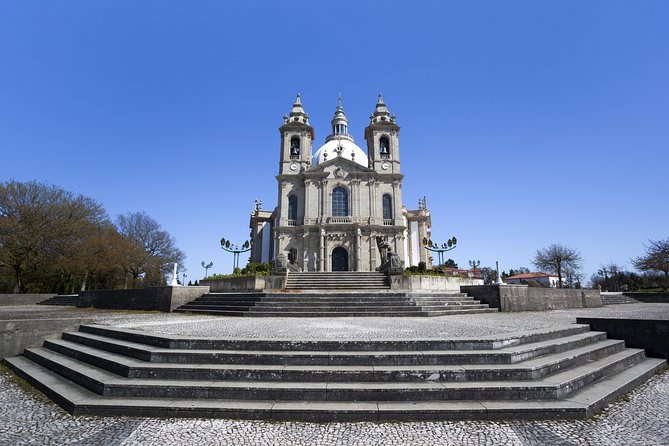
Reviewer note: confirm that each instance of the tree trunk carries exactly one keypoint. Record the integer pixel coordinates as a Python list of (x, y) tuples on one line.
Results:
[(83, 282), (17, 277)]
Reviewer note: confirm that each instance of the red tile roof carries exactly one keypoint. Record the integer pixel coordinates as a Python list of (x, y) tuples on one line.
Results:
[(530, 276)]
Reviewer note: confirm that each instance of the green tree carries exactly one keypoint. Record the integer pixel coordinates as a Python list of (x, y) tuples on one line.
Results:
[(558, 259), (450, 263)]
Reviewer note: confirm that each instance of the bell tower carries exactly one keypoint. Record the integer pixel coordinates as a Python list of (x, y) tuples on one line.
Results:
[(296, 140), (382, 137)]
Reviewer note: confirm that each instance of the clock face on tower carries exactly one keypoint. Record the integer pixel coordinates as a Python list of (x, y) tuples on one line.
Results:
[(293, 166), (385, 165)]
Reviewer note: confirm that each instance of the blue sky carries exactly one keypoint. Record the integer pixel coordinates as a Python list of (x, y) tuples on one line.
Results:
[(524, 123)]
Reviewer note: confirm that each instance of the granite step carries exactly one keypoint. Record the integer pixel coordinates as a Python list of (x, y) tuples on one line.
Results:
[(554, 386), (530, 369), (490, 342), (318, 354), (70, 300), (582, 403), (555, 372)]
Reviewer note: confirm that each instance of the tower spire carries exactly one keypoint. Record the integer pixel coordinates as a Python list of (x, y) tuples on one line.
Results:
[(297, 113), (339, 123), (381, 112)]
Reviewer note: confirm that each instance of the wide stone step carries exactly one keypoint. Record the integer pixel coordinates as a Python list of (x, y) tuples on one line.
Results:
[(357, 309), (62, 300), (555, 386), (242, 309), (583, 403), (491, 342), (328, 314), (530, 369), (555, 372), (372, 356)]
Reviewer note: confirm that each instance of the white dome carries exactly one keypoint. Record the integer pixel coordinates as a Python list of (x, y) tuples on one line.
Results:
[(340, 147)]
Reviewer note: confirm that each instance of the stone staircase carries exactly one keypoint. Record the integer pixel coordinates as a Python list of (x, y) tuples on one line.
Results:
[(561, 372), (348, 280), (617, 298), (62, 300), (335, 304)]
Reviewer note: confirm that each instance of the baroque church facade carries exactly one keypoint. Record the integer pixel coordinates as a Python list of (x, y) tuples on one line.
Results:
[(337, 204)]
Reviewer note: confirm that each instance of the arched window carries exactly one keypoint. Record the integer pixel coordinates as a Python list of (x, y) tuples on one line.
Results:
[(295, 145), (339, 202), (292, 207), (384, 145), (387, 207)]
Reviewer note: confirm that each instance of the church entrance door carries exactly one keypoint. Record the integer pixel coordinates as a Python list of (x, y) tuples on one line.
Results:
[(339, 259)]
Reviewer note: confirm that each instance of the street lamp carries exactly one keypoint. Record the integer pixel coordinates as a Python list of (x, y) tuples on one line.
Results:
[(440, 249), (206, 267), (227, 246)]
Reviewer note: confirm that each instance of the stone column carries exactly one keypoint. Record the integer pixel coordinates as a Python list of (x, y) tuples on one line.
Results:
[(325, 209), (354, 205), (321, 251), (372, 204), (358, 250), (283, 205), (306, 215), (372, 252)]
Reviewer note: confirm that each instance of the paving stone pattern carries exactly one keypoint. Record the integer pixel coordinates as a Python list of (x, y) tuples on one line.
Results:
[(30, 419), (640, 418)]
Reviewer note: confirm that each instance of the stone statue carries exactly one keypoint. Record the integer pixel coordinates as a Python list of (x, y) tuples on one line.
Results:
[(392, 265)]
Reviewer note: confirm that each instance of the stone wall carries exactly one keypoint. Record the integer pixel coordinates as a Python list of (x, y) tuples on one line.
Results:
[(431, 283), (23, 299), (153, 298), (649, 334), (19, 334), (258, 283), (524, 298), (658, 298)]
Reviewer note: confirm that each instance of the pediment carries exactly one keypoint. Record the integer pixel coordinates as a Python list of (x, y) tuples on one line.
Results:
[(345, 165)]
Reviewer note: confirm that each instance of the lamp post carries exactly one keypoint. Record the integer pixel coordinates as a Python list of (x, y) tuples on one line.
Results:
[(206, 267), (227, 246), (473, 266), (183, 279), (440, 249)]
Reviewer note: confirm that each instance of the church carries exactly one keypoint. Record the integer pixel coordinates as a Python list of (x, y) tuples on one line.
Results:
[(337, 204)]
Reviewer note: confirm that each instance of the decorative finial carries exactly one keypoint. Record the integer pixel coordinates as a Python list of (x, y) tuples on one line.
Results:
[(380, 98), (297, 99), (339, 100)]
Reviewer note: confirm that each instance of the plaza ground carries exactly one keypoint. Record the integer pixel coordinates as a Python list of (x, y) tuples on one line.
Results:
[(639, 418)]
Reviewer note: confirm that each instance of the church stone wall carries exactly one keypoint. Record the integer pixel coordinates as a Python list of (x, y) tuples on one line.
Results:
[(310, 239)]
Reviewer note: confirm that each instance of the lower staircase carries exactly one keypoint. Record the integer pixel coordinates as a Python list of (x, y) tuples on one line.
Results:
[(63, 300), (335, 304), (617, 298), (560, 372)]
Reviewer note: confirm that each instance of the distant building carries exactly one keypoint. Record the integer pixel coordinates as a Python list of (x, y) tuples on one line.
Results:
[(336, 204), (473, 273), (543, 279)]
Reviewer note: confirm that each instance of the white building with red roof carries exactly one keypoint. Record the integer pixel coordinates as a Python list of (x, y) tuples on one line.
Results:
[(543, 279)]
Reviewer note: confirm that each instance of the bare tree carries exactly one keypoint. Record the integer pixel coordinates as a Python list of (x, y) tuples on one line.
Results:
[(558, 259), (151, 250), (656, 258)]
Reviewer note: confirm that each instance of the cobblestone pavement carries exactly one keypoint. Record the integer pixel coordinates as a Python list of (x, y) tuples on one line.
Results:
[(29, 418), (466, 325), (640, 418)]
